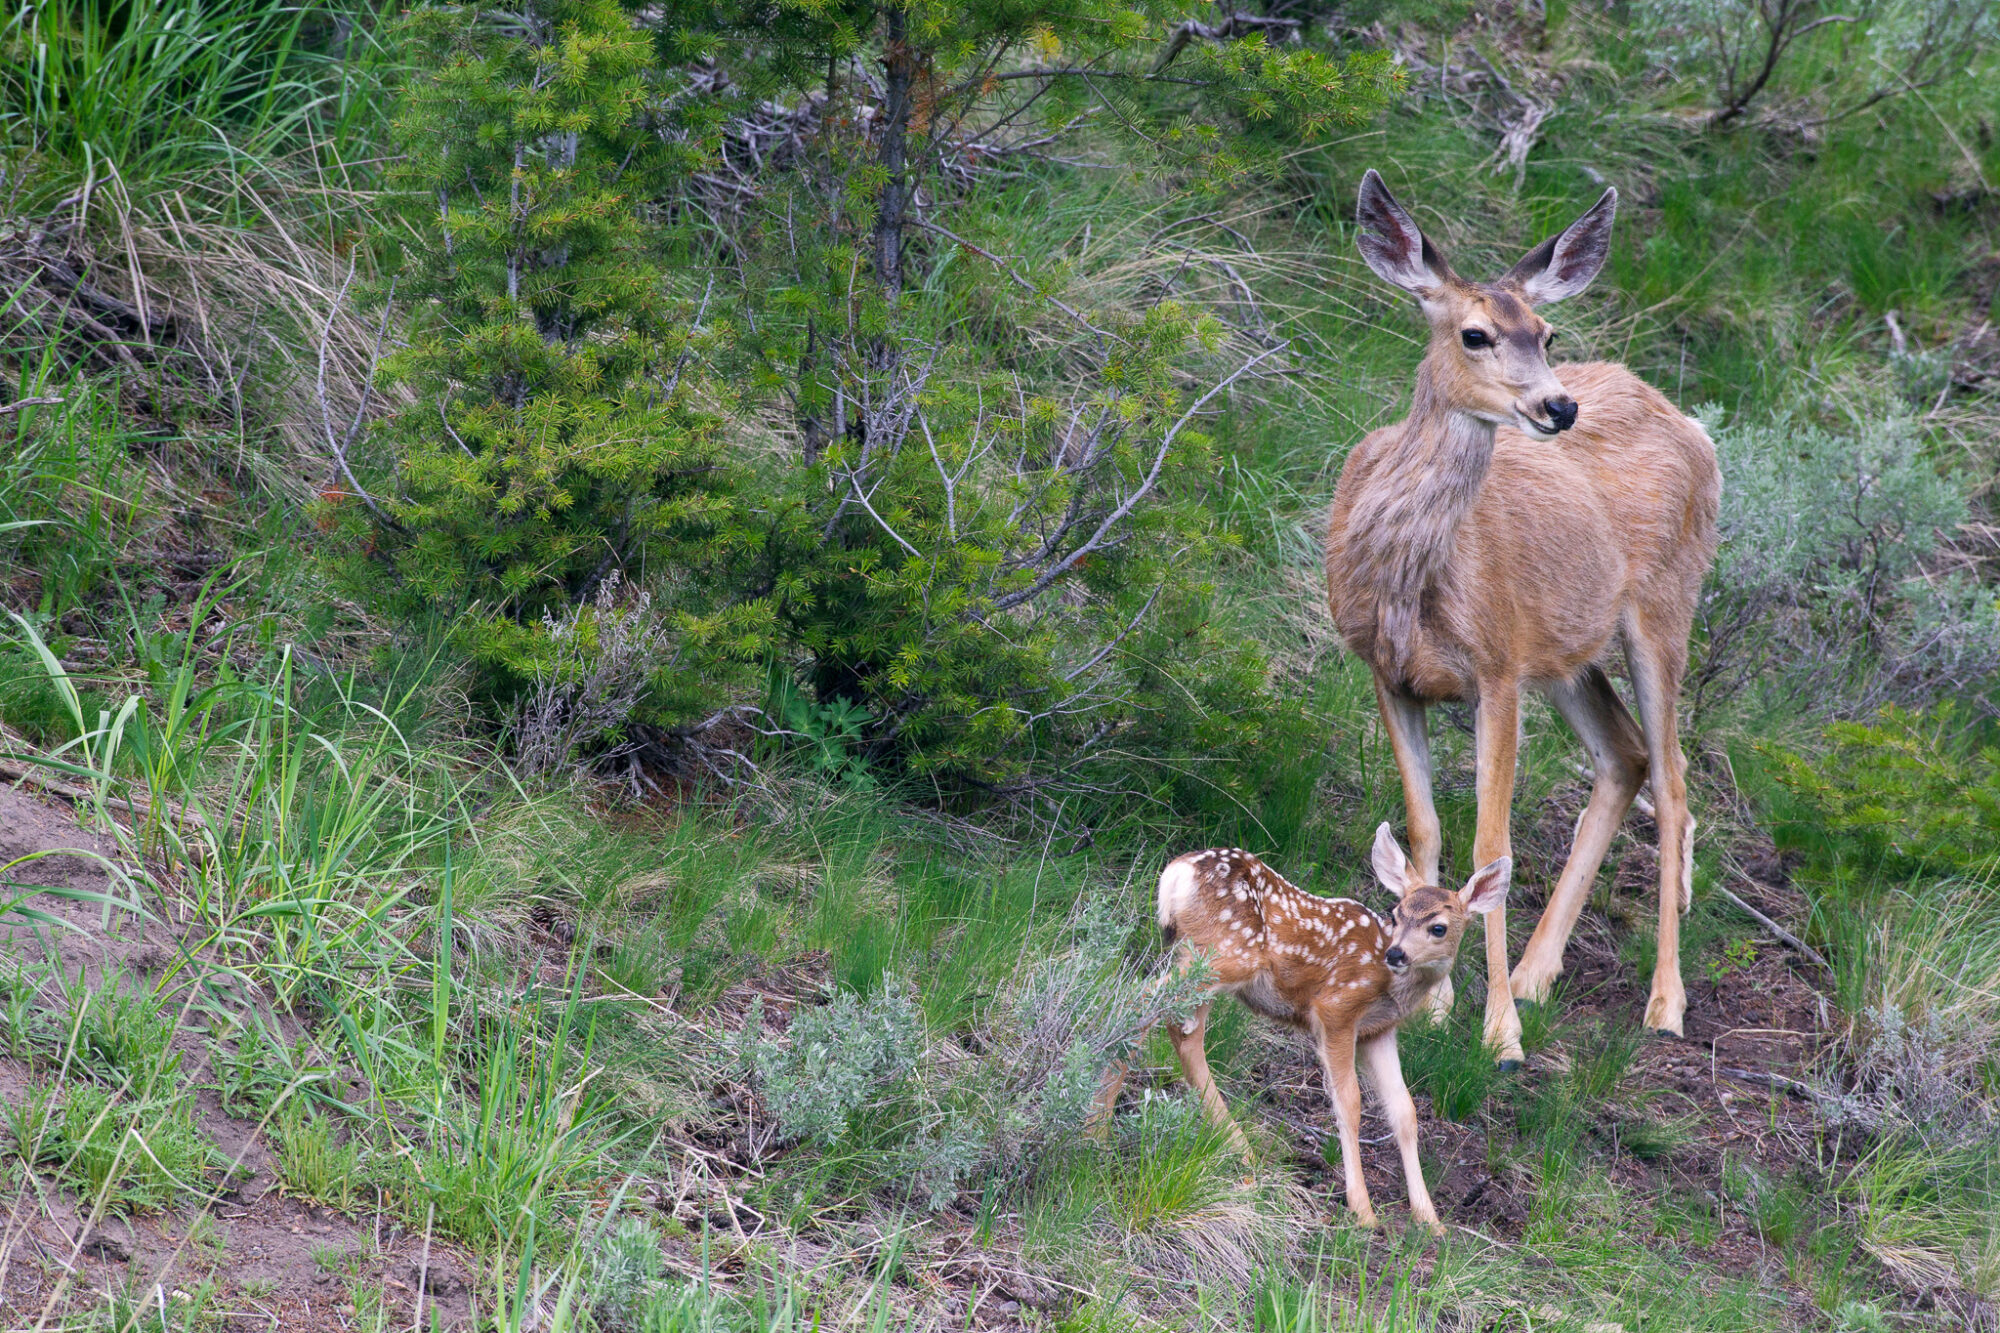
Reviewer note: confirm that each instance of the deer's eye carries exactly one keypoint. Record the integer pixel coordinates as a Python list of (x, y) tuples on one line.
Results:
[(1549, 341), (1475, 339), (1438, 929)]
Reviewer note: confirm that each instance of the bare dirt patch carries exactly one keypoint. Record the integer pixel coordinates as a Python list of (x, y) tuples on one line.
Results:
[(248, 1257)]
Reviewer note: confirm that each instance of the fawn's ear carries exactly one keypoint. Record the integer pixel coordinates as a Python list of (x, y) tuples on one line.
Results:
[(1564, 264), (1392, 868), (1394, 246), (1487, 888)]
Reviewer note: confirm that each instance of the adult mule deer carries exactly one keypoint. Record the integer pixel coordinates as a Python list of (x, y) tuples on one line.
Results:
[(1328, 966), (1502, 535)]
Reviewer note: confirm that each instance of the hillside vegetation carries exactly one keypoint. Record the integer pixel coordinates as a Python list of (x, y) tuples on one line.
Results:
[(613, 610)]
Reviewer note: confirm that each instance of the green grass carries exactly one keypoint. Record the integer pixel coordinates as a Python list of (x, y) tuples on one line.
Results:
[(316, 1159), (129, 1155), (1449, 1060)]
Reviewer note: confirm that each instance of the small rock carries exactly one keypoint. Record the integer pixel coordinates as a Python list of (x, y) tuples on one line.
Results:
[(108, 1248), (435, 1281)]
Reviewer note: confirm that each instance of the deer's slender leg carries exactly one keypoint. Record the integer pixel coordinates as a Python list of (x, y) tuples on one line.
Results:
[(1335, 1031), (1404, 719), (1189, 1038), (1656, 671), (1496, 732), (1617, 752), (1385, 1071)]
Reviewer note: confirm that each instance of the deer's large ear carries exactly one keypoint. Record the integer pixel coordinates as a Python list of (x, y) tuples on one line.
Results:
[(1392, 868), (1564, 264), (1394, 246), (1487, 888)]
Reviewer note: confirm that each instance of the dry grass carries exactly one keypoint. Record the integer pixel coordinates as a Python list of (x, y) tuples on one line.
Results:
[(232, 289)]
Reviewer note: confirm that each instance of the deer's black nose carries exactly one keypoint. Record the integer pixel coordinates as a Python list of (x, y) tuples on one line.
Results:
[(1561, 410), (1395, 957)]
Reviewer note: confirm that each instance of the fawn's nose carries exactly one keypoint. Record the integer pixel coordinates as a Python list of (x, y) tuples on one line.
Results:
[(1561, 410), (1396, 957)]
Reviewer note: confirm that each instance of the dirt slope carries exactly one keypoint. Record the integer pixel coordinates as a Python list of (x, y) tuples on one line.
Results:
[(261, 1259)]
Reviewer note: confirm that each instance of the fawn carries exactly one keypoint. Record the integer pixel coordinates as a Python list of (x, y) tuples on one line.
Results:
[(1328, 966)]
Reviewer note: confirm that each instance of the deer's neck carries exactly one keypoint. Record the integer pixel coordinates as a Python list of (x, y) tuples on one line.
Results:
[(1404, 529)]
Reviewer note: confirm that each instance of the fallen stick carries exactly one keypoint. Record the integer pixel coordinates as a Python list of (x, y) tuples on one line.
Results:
[(1779, 1083), (1785, 937), (19, 403)]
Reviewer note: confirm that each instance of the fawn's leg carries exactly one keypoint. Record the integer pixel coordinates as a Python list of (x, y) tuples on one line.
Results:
[(1385, 1071), (1188, 1041), (1098, 1126), (1336, 1059), (1496, 732), (1617, 752)]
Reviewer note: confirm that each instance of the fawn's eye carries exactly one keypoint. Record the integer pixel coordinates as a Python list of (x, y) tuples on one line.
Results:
[(1475, 339), (1549, 341), (1438, 929)]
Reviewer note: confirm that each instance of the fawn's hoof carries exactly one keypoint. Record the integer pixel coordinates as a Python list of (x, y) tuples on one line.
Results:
[(1509, 1065)]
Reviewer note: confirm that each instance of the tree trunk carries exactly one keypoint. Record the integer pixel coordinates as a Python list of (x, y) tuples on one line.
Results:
[(902, 68)]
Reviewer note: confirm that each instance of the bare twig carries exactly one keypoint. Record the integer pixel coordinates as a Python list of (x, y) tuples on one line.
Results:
[(1782, 1084), (1784, 936), (1098, 538), (21, 404), (340, 445)]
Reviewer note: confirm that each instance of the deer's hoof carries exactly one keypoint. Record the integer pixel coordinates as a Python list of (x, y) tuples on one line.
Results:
[(1664, 1016), (1509, 1065)]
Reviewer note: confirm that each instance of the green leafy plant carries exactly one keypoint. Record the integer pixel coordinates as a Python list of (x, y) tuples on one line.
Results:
[(1909, 791), (832, 731), (1737, 956), (130, 1153), (552, 433)]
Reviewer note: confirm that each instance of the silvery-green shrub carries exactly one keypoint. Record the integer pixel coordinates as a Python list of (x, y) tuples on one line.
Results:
[(835, 1060), (1014, 1094), (1827, 586), (624, 1271)]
